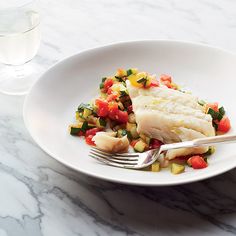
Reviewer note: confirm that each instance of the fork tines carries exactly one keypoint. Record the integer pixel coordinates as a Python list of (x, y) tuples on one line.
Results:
[(115, 159)]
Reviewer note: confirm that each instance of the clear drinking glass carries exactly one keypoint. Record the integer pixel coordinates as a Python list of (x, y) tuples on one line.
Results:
[(19, 42)]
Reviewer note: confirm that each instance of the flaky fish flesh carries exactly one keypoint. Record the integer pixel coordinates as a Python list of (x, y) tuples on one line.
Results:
[(170, 116)]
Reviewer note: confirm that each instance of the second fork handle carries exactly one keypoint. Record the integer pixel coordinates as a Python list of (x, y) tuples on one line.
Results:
[(200, 142)]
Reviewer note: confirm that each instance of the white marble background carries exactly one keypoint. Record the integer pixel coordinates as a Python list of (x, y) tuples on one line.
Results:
[(40, 197)]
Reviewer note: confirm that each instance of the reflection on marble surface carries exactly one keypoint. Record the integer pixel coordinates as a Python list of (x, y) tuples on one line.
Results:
[(40, 197)]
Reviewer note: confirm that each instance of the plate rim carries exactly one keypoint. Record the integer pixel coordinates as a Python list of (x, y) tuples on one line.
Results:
[(111, 179)]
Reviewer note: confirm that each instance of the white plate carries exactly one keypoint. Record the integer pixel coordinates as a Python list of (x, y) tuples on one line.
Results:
[(208, 72)]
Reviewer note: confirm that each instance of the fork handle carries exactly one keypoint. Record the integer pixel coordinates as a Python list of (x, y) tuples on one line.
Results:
[(200, 142)]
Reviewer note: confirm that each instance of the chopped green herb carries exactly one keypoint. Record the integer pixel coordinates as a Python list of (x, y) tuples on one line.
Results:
[(129, 72), (222, 111), (103, 79), (74, 131)]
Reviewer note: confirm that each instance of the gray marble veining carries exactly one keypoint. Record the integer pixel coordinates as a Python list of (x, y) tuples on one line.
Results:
[(40, 197)]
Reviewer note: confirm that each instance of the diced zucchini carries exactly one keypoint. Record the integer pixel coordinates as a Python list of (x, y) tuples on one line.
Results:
[(74, 131), (177, 168), (86, 113), (140, 146), (101, 86), (83, 106), (84, 126), (155, 167), (222, 111), (92, 120), (132, 118), (134, 132), (132, 71), (129, 72), (145, 138), (214, 114), (129, 126), (75, 128), (78, 116), (101, 122), (121, 133), (210, 151)]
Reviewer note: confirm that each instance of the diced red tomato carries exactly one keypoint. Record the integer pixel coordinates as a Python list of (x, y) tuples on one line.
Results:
[(224, 125), (155, 143), (112, 97), (109, 91), (166, 78), (113, 109), (167, 84), (89, 140), (116, 114), (133, 142), (122, 116), (130, 109), (154, 83), (213, 106), (107, 84), (92, 131), (102, 107), (197, 162)]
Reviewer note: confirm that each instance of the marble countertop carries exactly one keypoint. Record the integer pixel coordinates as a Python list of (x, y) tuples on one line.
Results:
[(41, 197)]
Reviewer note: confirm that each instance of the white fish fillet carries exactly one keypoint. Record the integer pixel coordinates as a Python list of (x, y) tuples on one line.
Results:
[(170, 116), (108, 142)]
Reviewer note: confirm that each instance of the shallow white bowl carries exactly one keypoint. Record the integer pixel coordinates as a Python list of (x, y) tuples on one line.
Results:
[(209, 73)]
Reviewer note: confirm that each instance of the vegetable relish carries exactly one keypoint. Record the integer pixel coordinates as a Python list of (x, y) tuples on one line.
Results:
[(112, 111)]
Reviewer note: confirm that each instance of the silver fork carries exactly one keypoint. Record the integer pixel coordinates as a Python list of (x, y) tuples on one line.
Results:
[(142, 160)]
